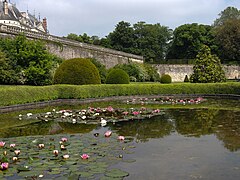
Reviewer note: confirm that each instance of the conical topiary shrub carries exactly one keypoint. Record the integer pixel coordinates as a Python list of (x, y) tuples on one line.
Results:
[(78, 71), (207, 68)]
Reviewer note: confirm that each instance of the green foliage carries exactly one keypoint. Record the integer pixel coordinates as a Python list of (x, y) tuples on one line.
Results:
[(135, 71), (229, 13), (186, 79), (7, 73), (117, 76), (140, 72), (166, 79), (188, 40), (227, 37), (207, 68), (152, 73), (101, 68), (78, 71), (148, 40), (27, 62), (11, 95), (84, 38)]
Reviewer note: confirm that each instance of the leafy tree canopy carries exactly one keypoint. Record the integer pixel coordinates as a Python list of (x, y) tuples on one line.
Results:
[(188, 40), (227, 37), (26, 62), (226, 14), (148, 40)]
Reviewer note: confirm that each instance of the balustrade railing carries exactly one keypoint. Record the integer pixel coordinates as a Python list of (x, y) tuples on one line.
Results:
[(38, 35)]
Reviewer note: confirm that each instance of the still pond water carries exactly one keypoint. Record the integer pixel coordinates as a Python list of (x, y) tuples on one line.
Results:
[(194, 141)]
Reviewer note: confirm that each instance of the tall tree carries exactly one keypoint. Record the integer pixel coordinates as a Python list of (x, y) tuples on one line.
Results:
[(151, 41), (148, 40), (122, 38), (226, 14), (188, 40), (227, 37)]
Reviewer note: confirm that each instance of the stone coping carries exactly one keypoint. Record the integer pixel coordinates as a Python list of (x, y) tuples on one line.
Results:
[(58, 102)]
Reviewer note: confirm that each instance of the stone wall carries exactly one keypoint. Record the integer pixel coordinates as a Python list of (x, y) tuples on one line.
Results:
[(67, 49), (107, 57), (178, 72)]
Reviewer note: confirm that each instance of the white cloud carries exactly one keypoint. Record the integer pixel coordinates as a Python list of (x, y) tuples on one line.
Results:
[(98, 17)]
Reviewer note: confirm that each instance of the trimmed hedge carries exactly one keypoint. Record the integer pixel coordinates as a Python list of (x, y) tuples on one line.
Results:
[(11, 95)]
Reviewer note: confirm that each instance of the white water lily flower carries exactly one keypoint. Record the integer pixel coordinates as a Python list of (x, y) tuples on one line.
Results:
[(66, 156), (29, 114), (74, 121), (97, 114), (84, 117)]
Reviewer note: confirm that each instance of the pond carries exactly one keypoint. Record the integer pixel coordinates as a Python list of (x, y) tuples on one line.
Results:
[(160, 138)]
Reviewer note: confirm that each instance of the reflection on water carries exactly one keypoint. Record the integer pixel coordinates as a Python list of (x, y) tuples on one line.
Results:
[(187, 122)]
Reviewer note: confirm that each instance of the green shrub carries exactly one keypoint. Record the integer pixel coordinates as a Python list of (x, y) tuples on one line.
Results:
[(101, 68), (166, 79), (117, 76), (77, 71), (152, 73), (140, 72), (186, 79), (26, 62)]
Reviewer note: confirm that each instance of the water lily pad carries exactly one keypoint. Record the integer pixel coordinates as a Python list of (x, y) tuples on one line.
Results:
[(116, 173)]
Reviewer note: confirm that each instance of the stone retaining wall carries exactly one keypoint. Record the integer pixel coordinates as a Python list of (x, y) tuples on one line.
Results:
[(178, 72)]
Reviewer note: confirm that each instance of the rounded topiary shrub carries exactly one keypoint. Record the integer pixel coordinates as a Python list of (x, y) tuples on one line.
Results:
[(166, 79), (78, 71), (117, 76)]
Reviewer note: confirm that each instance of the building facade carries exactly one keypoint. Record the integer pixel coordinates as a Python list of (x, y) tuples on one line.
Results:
[(11, 16)]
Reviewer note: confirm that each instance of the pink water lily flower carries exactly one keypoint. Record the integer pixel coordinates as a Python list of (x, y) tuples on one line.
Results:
[(110, 109), (135, 113), (2, 144), (121, 138), (156, 111), (4, 166), (125, 113), (85, 156), (108, 133), (64, 139), (12, 145)]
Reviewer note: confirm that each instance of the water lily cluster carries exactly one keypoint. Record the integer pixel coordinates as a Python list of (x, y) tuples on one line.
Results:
[(43, 157), (93, 115), (165, 100)]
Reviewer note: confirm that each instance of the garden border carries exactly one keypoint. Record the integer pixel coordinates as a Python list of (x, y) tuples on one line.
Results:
[(27, 106)]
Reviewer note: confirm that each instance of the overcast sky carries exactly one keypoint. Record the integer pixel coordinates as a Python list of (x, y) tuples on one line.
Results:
[(99, 17)]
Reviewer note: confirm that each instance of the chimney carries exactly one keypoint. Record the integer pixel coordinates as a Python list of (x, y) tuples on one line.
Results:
[(45, 24), (5, 7)]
